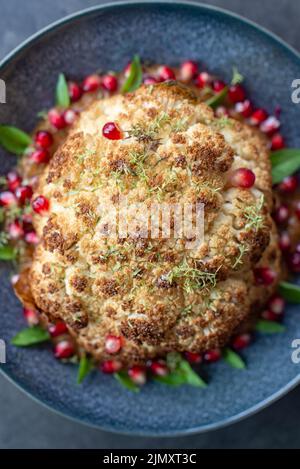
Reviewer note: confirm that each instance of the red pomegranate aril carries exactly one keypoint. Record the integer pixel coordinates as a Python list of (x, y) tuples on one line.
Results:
[(69, 116), (23, 193), (127, 70), (271, 316), (15, 230), (39, 156), (245, 108), (113, 344), (221, 111), (165, 73), (264, 276), (150, 81), (138, 375), (111, 131), (14, 180), (213, 355), (75, 91), (294, 262), (110, 366), (43, 139), (258, 116), (7, 199), (218, 85), (159, 368), (281, 214), (288, 185), (31, 316), (40, 204), (56, 119), (193, 357), (236, 93), (188, 70), (64, 349), (110, 83), (277, 142), (31, 238), (91, 83), (203, 80), (284, 241), (241, 341), (297, 210), (57, 329), (276, 304), (270, 125), (243, 178), (27, 222)]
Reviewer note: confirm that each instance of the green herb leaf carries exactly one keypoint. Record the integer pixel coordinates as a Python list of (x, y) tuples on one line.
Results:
[(135, 77), (181, 373), (13, 139), (269, 327), (233, 359), (30, 336), (217, 99), (85, 366), (284, 163), (126, 381), (236, 77), (290, 292), (7, 253), (62, 92)]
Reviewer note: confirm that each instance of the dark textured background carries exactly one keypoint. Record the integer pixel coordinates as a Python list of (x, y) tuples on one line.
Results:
[(25, 424)]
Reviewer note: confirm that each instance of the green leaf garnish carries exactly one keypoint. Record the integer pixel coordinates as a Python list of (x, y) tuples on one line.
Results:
[(135, 77), (62, 92), (284, 163), (269, 327), (30, 336), (236, 77), (7, 253), (13, 139), (181, 373), (290, 292), (126, 381), (85, 367), (233, 359), (218, 98)]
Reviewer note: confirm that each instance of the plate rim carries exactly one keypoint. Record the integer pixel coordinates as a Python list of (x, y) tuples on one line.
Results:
[(26, 44)]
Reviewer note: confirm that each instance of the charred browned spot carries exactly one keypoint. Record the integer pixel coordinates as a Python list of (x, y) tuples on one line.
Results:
[(163, 282), (110, 312), (108, 286), (57, 195), (118, 165), (72, 257), (67, 184), (180, 161), (185, 331), (79, 283), (178, 138), (142, 331), (52, 288), (46, 268)]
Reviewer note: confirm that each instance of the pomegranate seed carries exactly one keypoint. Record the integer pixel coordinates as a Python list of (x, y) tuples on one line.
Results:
[(64, 349), (69, 116), (297, 210), (57, 329), (40, 204), (14, 180), (212, 355), (31, 316), (166, 73), (245, 108), (218, 85), (56, 119), (243, 178), (264, 276), (188, 70), (127, 70), (40, 156), (137, 374), (285, 241), (113, 344), (43, 139), (14, 279), (277, 142), (193, 357), (110, 83), (258, 116), (159, 368), (271, 316), (294, 262), (281, 214), (150, 81), (270, 125), (23, 193), (27, 222), (31, 237), (203, 80), (288, 185), (15, 230), (110, 366), (75, 91), (111, 131), (236, 93), (241, 341), (276, 304), (221, 111), (7, 199), (91, 83)]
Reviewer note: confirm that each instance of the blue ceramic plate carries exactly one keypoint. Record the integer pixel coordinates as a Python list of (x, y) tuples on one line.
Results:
[(106, 38)]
